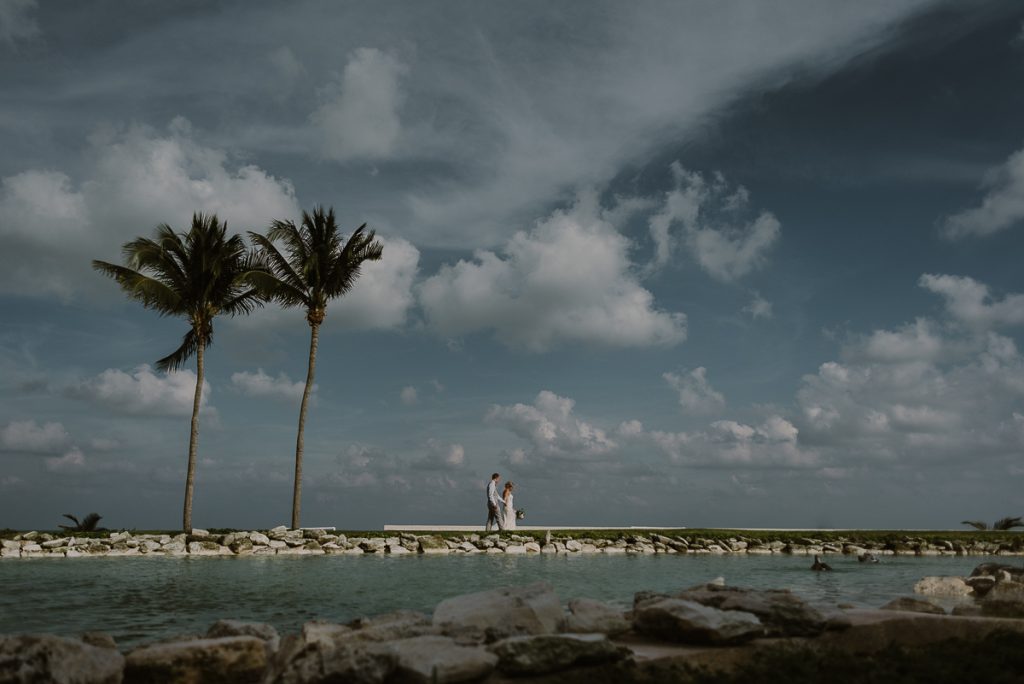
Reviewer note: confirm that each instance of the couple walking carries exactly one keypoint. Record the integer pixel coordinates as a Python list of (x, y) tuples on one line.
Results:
[(505, 518)]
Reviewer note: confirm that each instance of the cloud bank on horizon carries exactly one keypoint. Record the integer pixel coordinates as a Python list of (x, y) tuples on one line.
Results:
[(590, 279)]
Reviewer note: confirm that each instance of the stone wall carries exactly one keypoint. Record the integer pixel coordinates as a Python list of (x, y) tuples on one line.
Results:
[(282, 541)]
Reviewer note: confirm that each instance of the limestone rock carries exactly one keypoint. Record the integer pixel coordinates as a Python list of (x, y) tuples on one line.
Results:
[(545, 653), (260, 539), (260, 630), (589, 616), (99, 640), (509, 611), (1016, 572), (913, 605), (438, 659), (401, 624), (207, 548), (532, 547), (942, 586), (331, 657), (57, 660), (781, 612), (690, 622), (432, 544), (226, 659)]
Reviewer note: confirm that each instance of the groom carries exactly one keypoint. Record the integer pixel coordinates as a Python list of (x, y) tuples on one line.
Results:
[(493, 514)]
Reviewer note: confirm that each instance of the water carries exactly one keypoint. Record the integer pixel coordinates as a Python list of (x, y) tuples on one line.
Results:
[(142, 599)]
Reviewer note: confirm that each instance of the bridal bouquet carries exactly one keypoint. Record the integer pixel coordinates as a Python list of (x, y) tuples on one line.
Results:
[(520, 513)]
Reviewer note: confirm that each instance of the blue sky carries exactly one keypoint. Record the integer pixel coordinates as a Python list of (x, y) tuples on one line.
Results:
[(730, 264)]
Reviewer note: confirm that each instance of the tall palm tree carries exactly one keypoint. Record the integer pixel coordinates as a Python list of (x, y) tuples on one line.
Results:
[(320, 266), (195, 275)]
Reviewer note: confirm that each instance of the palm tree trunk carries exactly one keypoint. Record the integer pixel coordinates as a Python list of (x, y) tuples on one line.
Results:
[(193, 440), (299, 443)]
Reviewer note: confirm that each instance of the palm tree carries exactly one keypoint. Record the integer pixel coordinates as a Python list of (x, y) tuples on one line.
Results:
[(320, 265), (1007, 523), (87, 524), (195, 275)]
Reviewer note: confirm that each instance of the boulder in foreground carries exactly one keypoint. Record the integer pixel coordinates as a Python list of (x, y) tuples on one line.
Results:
[(674, 619), (500, 613), (57, 660)]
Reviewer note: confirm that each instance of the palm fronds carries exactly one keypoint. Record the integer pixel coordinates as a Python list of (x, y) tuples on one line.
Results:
[(88, 524)]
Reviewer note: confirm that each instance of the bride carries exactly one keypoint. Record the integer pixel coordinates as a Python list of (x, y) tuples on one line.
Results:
[(510, 509)]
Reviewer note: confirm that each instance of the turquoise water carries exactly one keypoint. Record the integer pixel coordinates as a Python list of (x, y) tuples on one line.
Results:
[(141, 599)]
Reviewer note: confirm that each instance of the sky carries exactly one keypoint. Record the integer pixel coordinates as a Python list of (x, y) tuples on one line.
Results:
[(744, 263)]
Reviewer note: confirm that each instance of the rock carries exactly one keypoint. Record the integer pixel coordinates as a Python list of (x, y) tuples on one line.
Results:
[(1006, 590), (981, 585), (690, 622), (499, 613), (913, 605), (587, 616), (994, 569), (331, 657), (57, 660), (782, 613), (432, 544), (374, 545), (396, 549), (545, 653), (401, 624), (259, 539), (532, 547), (207, 548), (241, 546), (438, 659), (99, 640), (278, 532), (173, 548), (942, 586), (226, 659), (260, 630), (515, 549)]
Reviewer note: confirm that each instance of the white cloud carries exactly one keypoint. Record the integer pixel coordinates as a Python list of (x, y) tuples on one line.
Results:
[(382, 296), (1002, 206), (16, 22), (550, 426), (915, 341), (359, 116), (136, 179), (728, 443), (30, 436), (970, 302), (442, 457), (408, 395), (711, 216), (696, 395), (259, 384), (759, 307), (144, 392), (71, 461), (568, 280), (927, 391)]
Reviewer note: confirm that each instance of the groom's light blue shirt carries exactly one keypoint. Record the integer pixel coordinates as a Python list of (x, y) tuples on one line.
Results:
[(492, 493)]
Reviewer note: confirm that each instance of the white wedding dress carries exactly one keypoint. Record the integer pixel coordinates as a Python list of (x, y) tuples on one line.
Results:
[(510, 514)]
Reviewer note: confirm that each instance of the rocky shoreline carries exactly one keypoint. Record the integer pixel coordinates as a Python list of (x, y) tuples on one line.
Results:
[(522, 633), (282, 541)]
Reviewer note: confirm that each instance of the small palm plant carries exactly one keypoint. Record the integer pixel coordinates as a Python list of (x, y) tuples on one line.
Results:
[(195, 275), (88, 523), (320, 266), (1002, 524)]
